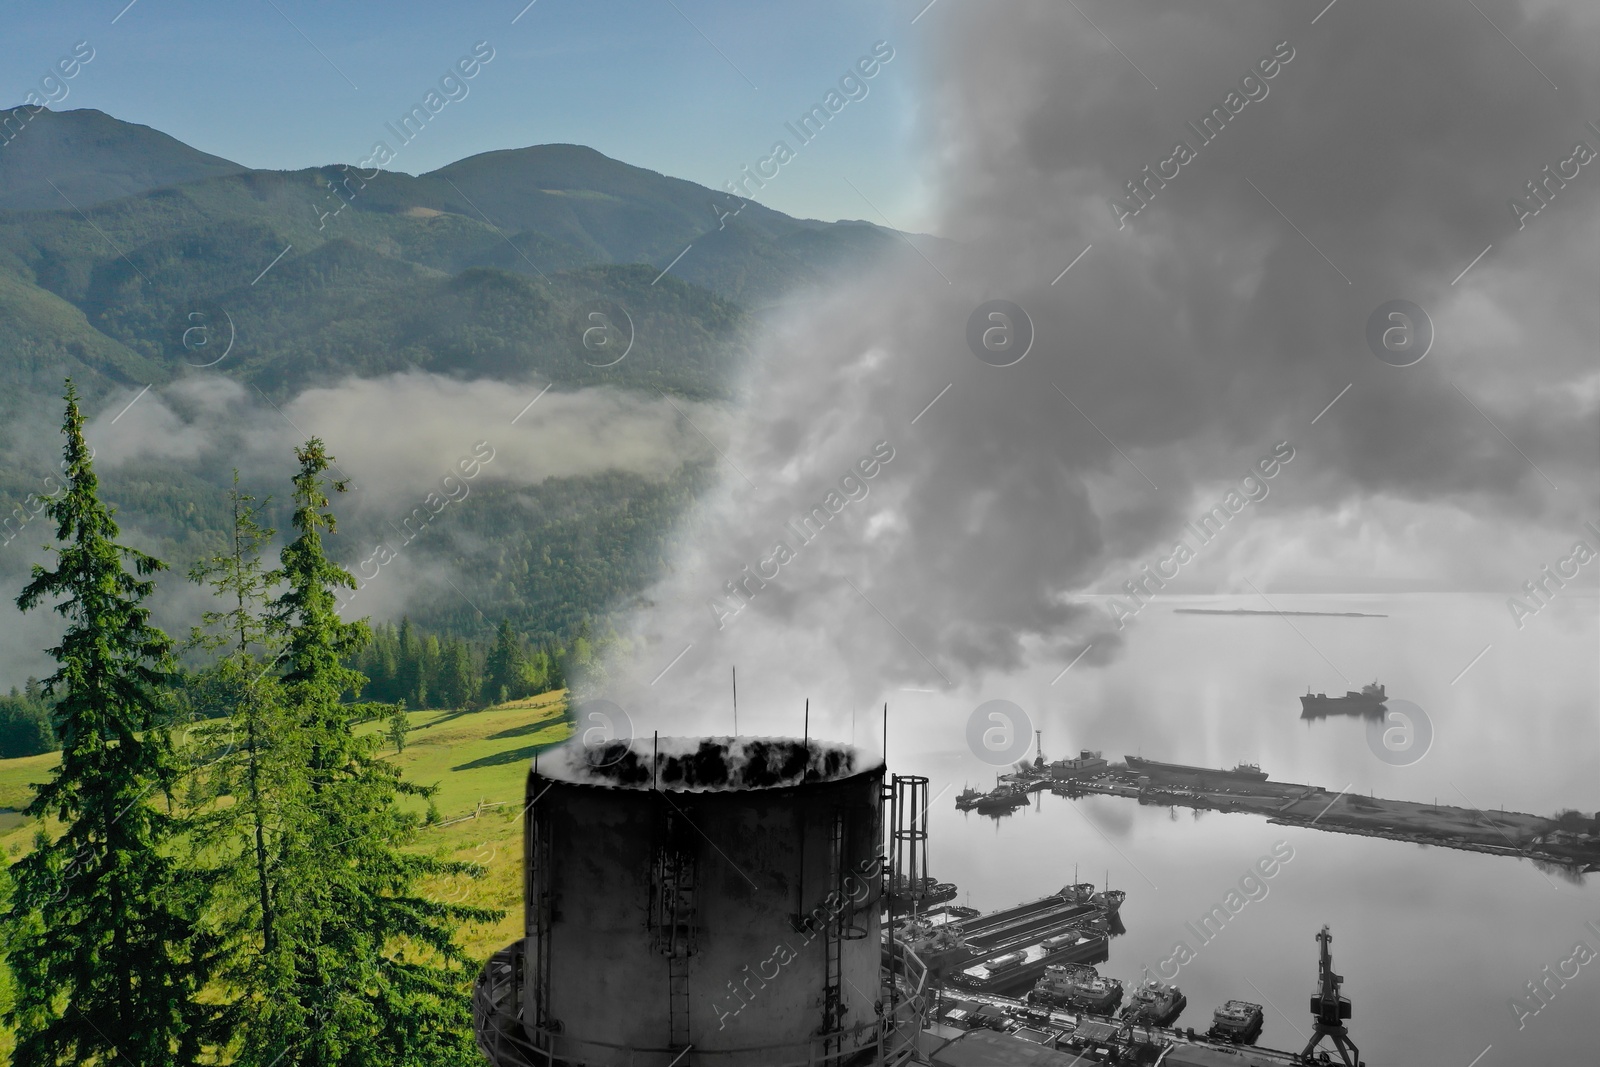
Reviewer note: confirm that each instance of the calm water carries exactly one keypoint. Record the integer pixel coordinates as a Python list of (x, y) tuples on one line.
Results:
[(1433, 942)]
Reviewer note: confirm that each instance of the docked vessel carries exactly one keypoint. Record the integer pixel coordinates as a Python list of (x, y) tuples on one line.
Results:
[(1077, 987), (1002, 799), (1368, 703), (1109, 901), (1238, 1021), (1086, 763), (1249, 772), (967, 799), (1154, 1003), (938, 945), (1024, 924), (1019, 968), (922, 892)]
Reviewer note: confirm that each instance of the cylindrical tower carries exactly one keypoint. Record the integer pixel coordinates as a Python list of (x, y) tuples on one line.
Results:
[(718, 893)]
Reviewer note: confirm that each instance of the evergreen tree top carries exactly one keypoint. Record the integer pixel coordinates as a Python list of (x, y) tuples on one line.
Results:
[(236, 575), (110, 660), (307, 612)]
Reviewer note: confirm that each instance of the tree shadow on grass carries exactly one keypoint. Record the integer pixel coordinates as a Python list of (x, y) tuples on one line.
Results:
[(449, 716), (515, 755), (528, 728), (515, 731)]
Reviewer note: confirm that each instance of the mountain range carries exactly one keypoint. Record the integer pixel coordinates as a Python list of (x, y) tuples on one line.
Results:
[(112, 235)]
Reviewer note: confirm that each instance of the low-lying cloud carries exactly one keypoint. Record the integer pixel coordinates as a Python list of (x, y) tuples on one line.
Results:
[(395, 436)]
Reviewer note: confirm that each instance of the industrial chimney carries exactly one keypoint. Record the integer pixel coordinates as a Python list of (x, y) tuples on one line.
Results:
[(712, 901)]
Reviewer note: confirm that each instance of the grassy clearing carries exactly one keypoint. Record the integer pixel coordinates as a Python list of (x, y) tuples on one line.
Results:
[(482, 757)]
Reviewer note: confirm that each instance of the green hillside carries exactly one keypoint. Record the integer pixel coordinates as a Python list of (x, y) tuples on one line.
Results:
[(73, 305), (485, 268), (371, 293), (479, 761), (488, 268)]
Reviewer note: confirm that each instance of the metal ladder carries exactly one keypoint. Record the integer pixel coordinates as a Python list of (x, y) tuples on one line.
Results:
[(540, 907), (833, 1006), (674, 914)]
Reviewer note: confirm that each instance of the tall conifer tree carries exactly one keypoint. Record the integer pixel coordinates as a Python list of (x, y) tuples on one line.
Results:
[(101, 922), (505, 670), (254, 755), (378, 978)]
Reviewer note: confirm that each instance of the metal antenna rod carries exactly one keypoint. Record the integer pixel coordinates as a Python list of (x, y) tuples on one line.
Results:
[(736, 702)]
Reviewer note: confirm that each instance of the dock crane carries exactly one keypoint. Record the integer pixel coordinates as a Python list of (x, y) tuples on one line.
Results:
[(1329, 1010)]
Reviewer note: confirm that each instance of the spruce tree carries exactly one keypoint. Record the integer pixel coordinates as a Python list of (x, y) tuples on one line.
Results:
[(102, 929), (432, 664), (409, 665), (458, 681), (260, 761), (377, 976), (504, 672)]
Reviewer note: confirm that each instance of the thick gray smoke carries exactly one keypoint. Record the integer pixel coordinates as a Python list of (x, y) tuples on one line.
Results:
[(1366, 158)]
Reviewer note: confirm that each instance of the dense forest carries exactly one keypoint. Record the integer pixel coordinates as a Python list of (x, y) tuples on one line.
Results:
[(25, 727), (402, 664)]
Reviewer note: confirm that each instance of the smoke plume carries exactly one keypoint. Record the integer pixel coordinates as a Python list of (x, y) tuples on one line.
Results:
[(1188, 338)]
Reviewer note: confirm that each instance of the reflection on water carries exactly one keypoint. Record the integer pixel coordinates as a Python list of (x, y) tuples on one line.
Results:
[(1433, 942)]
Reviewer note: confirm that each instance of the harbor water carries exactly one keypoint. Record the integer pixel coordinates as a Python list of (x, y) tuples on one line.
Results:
[(1434, 943)]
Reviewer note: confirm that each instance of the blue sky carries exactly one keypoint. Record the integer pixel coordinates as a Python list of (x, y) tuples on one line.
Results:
[(691, 88)]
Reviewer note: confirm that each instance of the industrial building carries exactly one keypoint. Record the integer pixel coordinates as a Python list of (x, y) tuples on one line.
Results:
[(721, 902)]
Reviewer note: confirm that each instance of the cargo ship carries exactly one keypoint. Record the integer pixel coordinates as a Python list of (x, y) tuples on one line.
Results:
[(1154, 1003), (967, 799), (1238, 1021), (1020, 968), (1369, 703), (1077, 987), (1248, 772)]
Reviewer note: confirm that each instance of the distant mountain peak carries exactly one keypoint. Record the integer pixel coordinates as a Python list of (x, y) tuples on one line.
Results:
[(90, 157)]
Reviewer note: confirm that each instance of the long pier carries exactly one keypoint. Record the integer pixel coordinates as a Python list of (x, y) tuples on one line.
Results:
[(1573, 843)]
